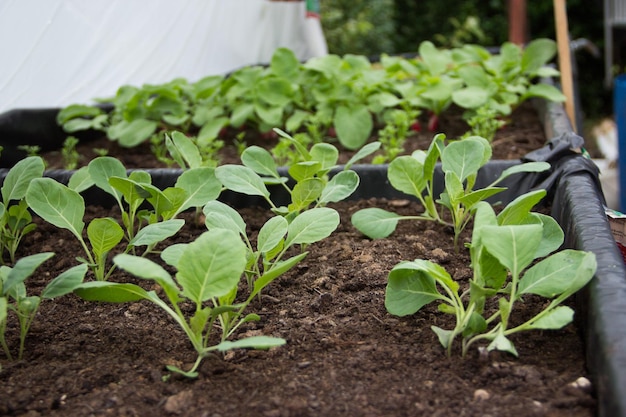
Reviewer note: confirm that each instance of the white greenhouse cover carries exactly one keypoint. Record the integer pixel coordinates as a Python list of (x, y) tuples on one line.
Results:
[(58, 52)]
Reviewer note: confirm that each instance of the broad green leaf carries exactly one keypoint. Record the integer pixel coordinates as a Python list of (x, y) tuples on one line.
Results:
[(211, 129), (513, 246), (470, 97), (103, 168), (537, 54), (353, 125), (146, 269), (304, 170), (565, 271), (186, 148), (157, 232), (517, 210), (66, 282), (312, 225), (133, 192), (545, 91), (57, 204), (306, 192), (411, 285), (76, 110), (444, 336), (201, 186), (557, 318), (463, 157), (436, 61), (171, 255), (284, 63), (253, 342), (241, 179), (23, 269), (218, 215), (553, 235), (260, 161), (130, 134), (375, 223), (211, 265), (80, 180), (340, 187), (471, 198), (111, 292), (501, 343), (326, 154), (104, 234), (525, 167), (272, 232), (158, 199), (275, 91), (406, 174), (19, 176)]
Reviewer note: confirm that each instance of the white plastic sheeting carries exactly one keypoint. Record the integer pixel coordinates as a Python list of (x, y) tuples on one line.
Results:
[(58, 52)]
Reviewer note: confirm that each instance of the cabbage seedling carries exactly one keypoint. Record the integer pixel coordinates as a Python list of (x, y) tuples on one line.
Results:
[(208, 273), (502, 251), (13, 296)]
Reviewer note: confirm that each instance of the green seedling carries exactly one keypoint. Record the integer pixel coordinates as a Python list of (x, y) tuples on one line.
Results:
[(69, 153), (512, 257), (208, 273), (312, 188), (14, 299), (414, 175), (15, 219)]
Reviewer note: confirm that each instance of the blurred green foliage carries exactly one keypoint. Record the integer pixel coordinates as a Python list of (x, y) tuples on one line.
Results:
[(372, 27)]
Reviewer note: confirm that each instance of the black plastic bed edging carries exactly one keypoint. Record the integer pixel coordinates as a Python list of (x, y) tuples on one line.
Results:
[(577, 204)]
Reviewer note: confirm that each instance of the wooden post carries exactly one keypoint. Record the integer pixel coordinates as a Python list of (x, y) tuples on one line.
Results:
[(517, 21), (565, 60)]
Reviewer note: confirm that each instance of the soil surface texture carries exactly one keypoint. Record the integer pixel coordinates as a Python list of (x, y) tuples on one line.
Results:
[(344, 356)]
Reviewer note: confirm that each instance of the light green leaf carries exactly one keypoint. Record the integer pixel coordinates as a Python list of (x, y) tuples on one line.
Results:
[(186, 148), (272, 232), (406, 174), (23, 269), (501, 343), (156, 232), (211, 265), (412, 285), (253, 342), (366, 150), (260, 161), (312, 225), (463, 157), (104, 234), (444, 336), (241, 179), (326, 154), (19, 176), (340, 187), (306, 192), (80, 180), (131, 134), (146, 269), (111, 292), (66, 282), (375, 223), (201, 186), (513, 246), (103, 168), (218, 215), (353, 125), (565, 271), (57, 204), (557, 318)]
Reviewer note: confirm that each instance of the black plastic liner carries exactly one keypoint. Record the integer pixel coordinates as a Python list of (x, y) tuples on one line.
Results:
[(577, 203)]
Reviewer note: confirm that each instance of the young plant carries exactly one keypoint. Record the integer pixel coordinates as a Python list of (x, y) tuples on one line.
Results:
[(312, 187), (69, 153), (502, 251), (208, 273), (15, 219), (64, 207), (14, 299), (414, 175)]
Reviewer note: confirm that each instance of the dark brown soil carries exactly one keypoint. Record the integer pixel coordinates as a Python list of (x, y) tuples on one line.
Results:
[(345, 355), (522, 134)]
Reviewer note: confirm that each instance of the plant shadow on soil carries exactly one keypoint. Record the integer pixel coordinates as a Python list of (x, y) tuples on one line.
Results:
[(345, 355)]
